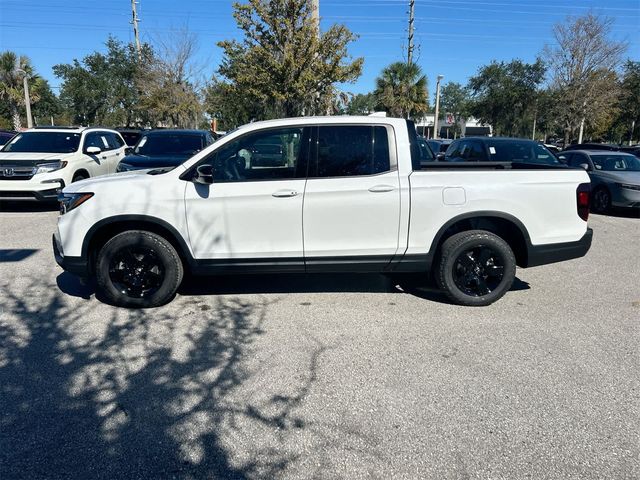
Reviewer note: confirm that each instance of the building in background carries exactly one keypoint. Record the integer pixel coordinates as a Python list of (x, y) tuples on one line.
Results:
[(468, 128)]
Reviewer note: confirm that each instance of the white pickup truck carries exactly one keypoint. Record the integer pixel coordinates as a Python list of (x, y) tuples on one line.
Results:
[(323, 194)]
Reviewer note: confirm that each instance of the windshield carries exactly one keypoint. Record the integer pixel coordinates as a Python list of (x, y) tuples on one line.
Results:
[(169, 144), (43, 142), (520, 151), (616, 163)]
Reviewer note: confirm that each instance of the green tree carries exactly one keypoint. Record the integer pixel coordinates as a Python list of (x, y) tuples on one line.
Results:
[(583, 66), (401, 90), (455, 100), (224, 101), (284, 65), (12, 71), (47, 106), (504, 95), (628, 120), (102, 88), (361, 104), (169, 85)]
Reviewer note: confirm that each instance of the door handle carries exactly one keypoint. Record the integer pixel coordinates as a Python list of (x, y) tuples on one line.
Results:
[(284, 193), (382, 188), (104, 157)]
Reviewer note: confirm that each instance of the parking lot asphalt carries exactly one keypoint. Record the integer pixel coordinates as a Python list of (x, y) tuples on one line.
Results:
[(334, 376)]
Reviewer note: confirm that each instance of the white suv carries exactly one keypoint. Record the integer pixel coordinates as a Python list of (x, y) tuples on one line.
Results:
[(38, 162)]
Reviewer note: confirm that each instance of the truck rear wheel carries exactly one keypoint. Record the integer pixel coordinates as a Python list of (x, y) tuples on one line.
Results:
[(138, 269), (476, 268)]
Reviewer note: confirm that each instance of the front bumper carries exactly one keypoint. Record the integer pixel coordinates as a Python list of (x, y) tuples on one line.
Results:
[(558, 252), (626, 198), (21, 190), (76, 265)]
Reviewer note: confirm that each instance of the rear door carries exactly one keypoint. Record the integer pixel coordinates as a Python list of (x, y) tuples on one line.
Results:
[(351, 209), (117, 145)]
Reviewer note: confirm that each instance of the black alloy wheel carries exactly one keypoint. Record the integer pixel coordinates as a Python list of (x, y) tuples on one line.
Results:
[(475, 268), (136, 271), (478, 271)]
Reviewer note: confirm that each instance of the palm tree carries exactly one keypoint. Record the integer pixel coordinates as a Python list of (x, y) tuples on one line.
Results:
[(11, 83), (401, 90)]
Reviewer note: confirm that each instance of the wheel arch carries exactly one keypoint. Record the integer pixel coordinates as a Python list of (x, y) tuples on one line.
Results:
[(83, 171), (107, 228), (506, 226)]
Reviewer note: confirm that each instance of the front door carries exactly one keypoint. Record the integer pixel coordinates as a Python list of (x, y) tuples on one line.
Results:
[(251, 216), (351, 210)]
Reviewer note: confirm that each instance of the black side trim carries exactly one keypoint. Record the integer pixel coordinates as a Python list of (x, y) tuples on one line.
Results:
[(417, 262), (558, 252), (359, 264), (218, 266)]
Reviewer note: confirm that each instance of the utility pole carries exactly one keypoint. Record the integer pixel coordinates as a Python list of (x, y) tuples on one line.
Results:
[(134, 22), (412, 4), (436, 134), (27, 99), (581, 132)]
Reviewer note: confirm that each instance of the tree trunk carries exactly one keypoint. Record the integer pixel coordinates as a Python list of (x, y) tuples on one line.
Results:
[(15, 115)]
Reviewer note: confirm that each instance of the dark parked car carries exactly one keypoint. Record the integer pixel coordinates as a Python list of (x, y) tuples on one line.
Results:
[(592, 146), (130, 135), (633, 150), (426, 154), (439, 146), (615, 177), (5, 136), (165, 148), (496, 149)]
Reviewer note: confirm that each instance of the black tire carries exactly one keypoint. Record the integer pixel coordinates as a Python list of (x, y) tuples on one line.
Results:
[(475, 268), (79, 176), (138, 269), (601, 201)]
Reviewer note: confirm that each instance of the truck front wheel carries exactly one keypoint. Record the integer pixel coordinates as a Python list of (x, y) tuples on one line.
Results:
[(476, 268), (138, 269)]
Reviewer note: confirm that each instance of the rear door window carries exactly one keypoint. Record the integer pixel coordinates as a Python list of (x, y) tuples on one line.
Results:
[(347, 151)]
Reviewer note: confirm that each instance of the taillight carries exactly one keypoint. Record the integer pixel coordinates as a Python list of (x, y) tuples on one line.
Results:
[(582, 195)]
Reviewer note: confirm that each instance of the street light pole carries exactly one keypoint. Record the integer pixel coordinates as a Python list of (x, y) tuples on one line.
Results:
[(436, 134), (27, 100)]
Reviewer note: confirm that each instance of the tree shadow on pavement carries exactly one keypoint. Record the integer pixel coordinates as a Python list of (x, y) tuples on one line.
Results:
[(89, 391), (288, 283)]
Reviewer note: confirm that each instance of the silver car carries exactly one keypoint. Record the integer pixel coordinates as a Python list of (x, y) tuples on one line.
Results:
[(615, 177)]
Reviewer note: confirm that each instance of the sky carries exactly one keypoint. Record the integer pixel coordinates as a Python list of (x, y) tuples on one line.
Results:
[(453, 37)]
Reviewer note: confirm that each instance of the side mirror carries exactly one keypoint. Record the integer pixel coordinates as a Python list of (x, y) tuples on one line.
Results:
[(585, 166), (440, 157), (128, 150), (93, 150), (204, 175)]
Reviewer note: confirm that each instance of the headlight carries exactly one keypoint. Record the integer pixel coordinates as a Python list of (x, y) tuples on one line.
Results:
[(49, 167), (124, 167), (629, 186), (69, 201)]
